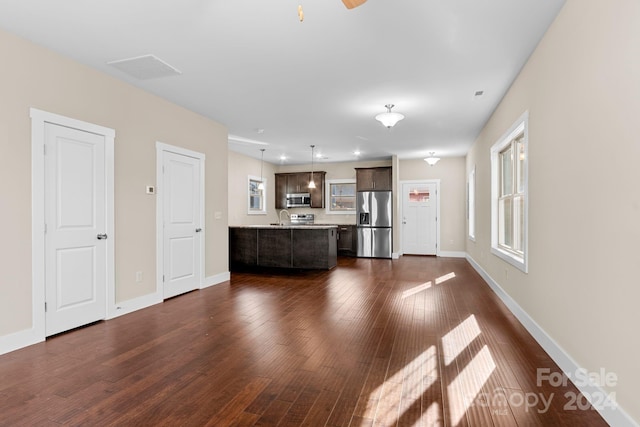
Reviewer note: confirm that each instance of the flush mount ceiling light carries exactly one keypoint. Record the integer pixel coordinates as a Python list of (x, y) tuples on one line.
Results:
[(389, 118), (312, 184), (261, 185), (431, 159)]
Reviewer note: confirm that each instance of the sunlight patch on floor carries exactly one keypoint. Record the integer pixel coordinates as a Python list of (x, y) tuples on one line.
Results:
[(456, 340), (415, 290), (404, 389), (446, 277), (465, 387)]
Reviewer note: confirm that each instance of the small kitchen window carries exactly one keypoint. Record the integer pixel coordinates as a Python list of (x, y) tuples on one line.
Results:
[(257, 196), (341, 194)]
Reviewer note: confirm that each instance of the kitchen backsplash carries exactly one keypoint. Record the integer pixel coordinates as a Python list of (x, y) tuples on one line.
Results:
[(321, 216)]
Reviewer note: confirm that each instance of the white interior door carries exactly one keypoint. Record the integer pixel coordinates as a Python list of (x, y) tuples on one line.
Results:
[(75, 218), (419, 222), (182, 223)]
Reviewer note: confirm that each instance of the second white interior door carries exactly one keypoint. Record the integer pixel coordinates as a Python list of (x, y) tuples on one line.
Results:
[(182, 232)]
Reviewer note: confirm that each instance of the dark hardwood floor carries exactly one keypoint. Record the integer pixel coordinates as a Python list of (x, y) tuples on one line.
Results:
[(416, 341)]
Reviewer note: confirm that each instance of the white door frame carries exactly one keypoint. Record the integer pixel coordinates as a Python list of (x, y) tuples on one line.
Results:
[(161, 148), (38, 120), (401, 208)]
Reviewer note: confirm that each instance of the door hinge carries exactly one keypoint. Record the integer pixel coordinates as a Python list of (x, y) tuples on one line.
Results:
[(45, 306), (44, 150), (45, 228), (163, 278)]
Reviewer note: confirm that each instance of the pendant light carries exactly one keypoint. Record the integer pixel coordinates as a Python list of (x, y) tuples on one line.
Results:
[(389, 119), (312, 184), (261, 185), (431, 159)]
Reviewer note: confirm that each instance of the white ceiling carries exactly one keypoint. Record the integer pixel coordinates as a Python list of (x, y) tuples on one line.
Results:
[(250, 65)]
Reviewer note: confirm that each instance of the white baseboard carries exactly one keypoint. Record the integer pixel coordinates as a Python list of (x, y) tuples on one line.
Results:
[(135, 304), (615, 415), (396, 255), (453, 254), (216, 280), (20, 339)]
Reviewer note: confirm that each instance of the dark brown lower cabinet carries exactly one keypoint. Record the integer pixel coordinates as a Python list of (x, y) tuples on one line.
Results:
[(243, 247), (274, 247), (283, 247), (347, 240), (314, 248)]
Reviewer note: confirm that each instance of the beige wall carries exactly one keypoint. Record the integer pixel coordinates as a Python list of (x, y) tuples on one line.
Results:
[(240, 168), (582, 90), (35, 77), (451, 173)]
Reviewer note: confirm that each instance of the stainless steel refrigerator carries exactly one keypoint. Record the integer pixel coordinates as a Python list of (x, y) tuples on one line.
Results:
[(374, 224)]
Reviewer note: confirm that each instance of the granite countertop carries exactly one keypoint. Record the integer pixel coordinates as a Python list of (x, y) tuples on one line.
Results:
[(288, 226)]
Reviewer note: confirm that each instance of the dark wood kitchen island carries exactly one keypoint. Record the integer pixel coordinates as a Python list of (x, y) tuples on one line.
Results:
[(283, 246)]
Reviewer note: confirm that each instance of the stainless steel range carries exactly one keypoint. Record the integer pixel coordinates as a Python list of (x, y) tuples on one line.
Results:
[(302, 219)]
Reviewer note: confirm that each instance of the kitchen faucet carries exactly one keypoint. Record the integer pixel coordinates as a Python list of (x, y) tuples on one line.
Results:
[(280, 216)]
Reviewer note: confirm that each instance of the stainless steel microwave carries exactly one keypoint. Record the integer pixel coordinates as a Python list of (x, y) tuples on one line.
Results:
[(300, 200)]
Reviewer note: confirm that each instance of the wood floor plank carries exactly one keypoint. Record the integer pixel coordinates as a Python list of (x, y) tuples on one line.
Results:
[(419, 341)]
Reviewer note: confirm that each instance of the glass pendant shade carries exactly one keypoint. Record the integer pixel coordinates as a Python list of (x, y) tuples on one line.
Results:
[(261, 185), (389, 119), (431, 159), (312, 184)]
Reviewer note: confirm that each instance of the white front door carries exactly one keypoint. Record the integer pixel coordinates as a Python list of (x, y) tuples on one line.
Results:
[(419, 222), (75, 218), (182, 223)]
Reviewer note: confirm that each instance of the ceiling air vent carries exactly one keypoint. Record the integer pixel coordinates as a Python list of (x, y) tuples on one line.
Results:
[(145, 67)]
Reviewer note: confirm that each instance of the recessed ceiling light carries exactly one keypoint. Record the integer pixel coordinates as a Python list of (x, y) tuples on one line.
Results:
[(357, 152), (283, 157)]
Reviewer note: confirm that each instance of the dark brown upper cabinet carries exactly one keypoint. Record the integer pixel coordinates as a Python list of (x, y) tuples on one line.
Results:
[(373, 179), (298, 182)]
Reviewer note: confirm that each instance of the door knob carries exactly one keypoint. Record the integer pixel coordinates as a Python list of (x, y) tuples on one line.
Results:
[(198, 230), (101, 236)]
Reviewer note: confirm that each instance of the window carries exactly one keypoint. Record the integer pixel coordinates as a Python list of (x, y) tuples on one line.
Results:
[(509, 195), (341, 196), (419, 193), (471, 203), (257, 198)]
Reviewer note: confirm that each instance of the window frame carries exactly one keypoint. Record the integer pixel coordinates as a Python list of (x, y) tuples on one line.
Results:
[(262, 211), (511, 256), (471, 204), (328, 184)]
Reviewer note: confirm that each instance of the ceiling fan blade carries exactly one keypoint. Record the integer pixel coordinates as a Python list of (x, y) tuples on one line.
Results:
[(353, 3)]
